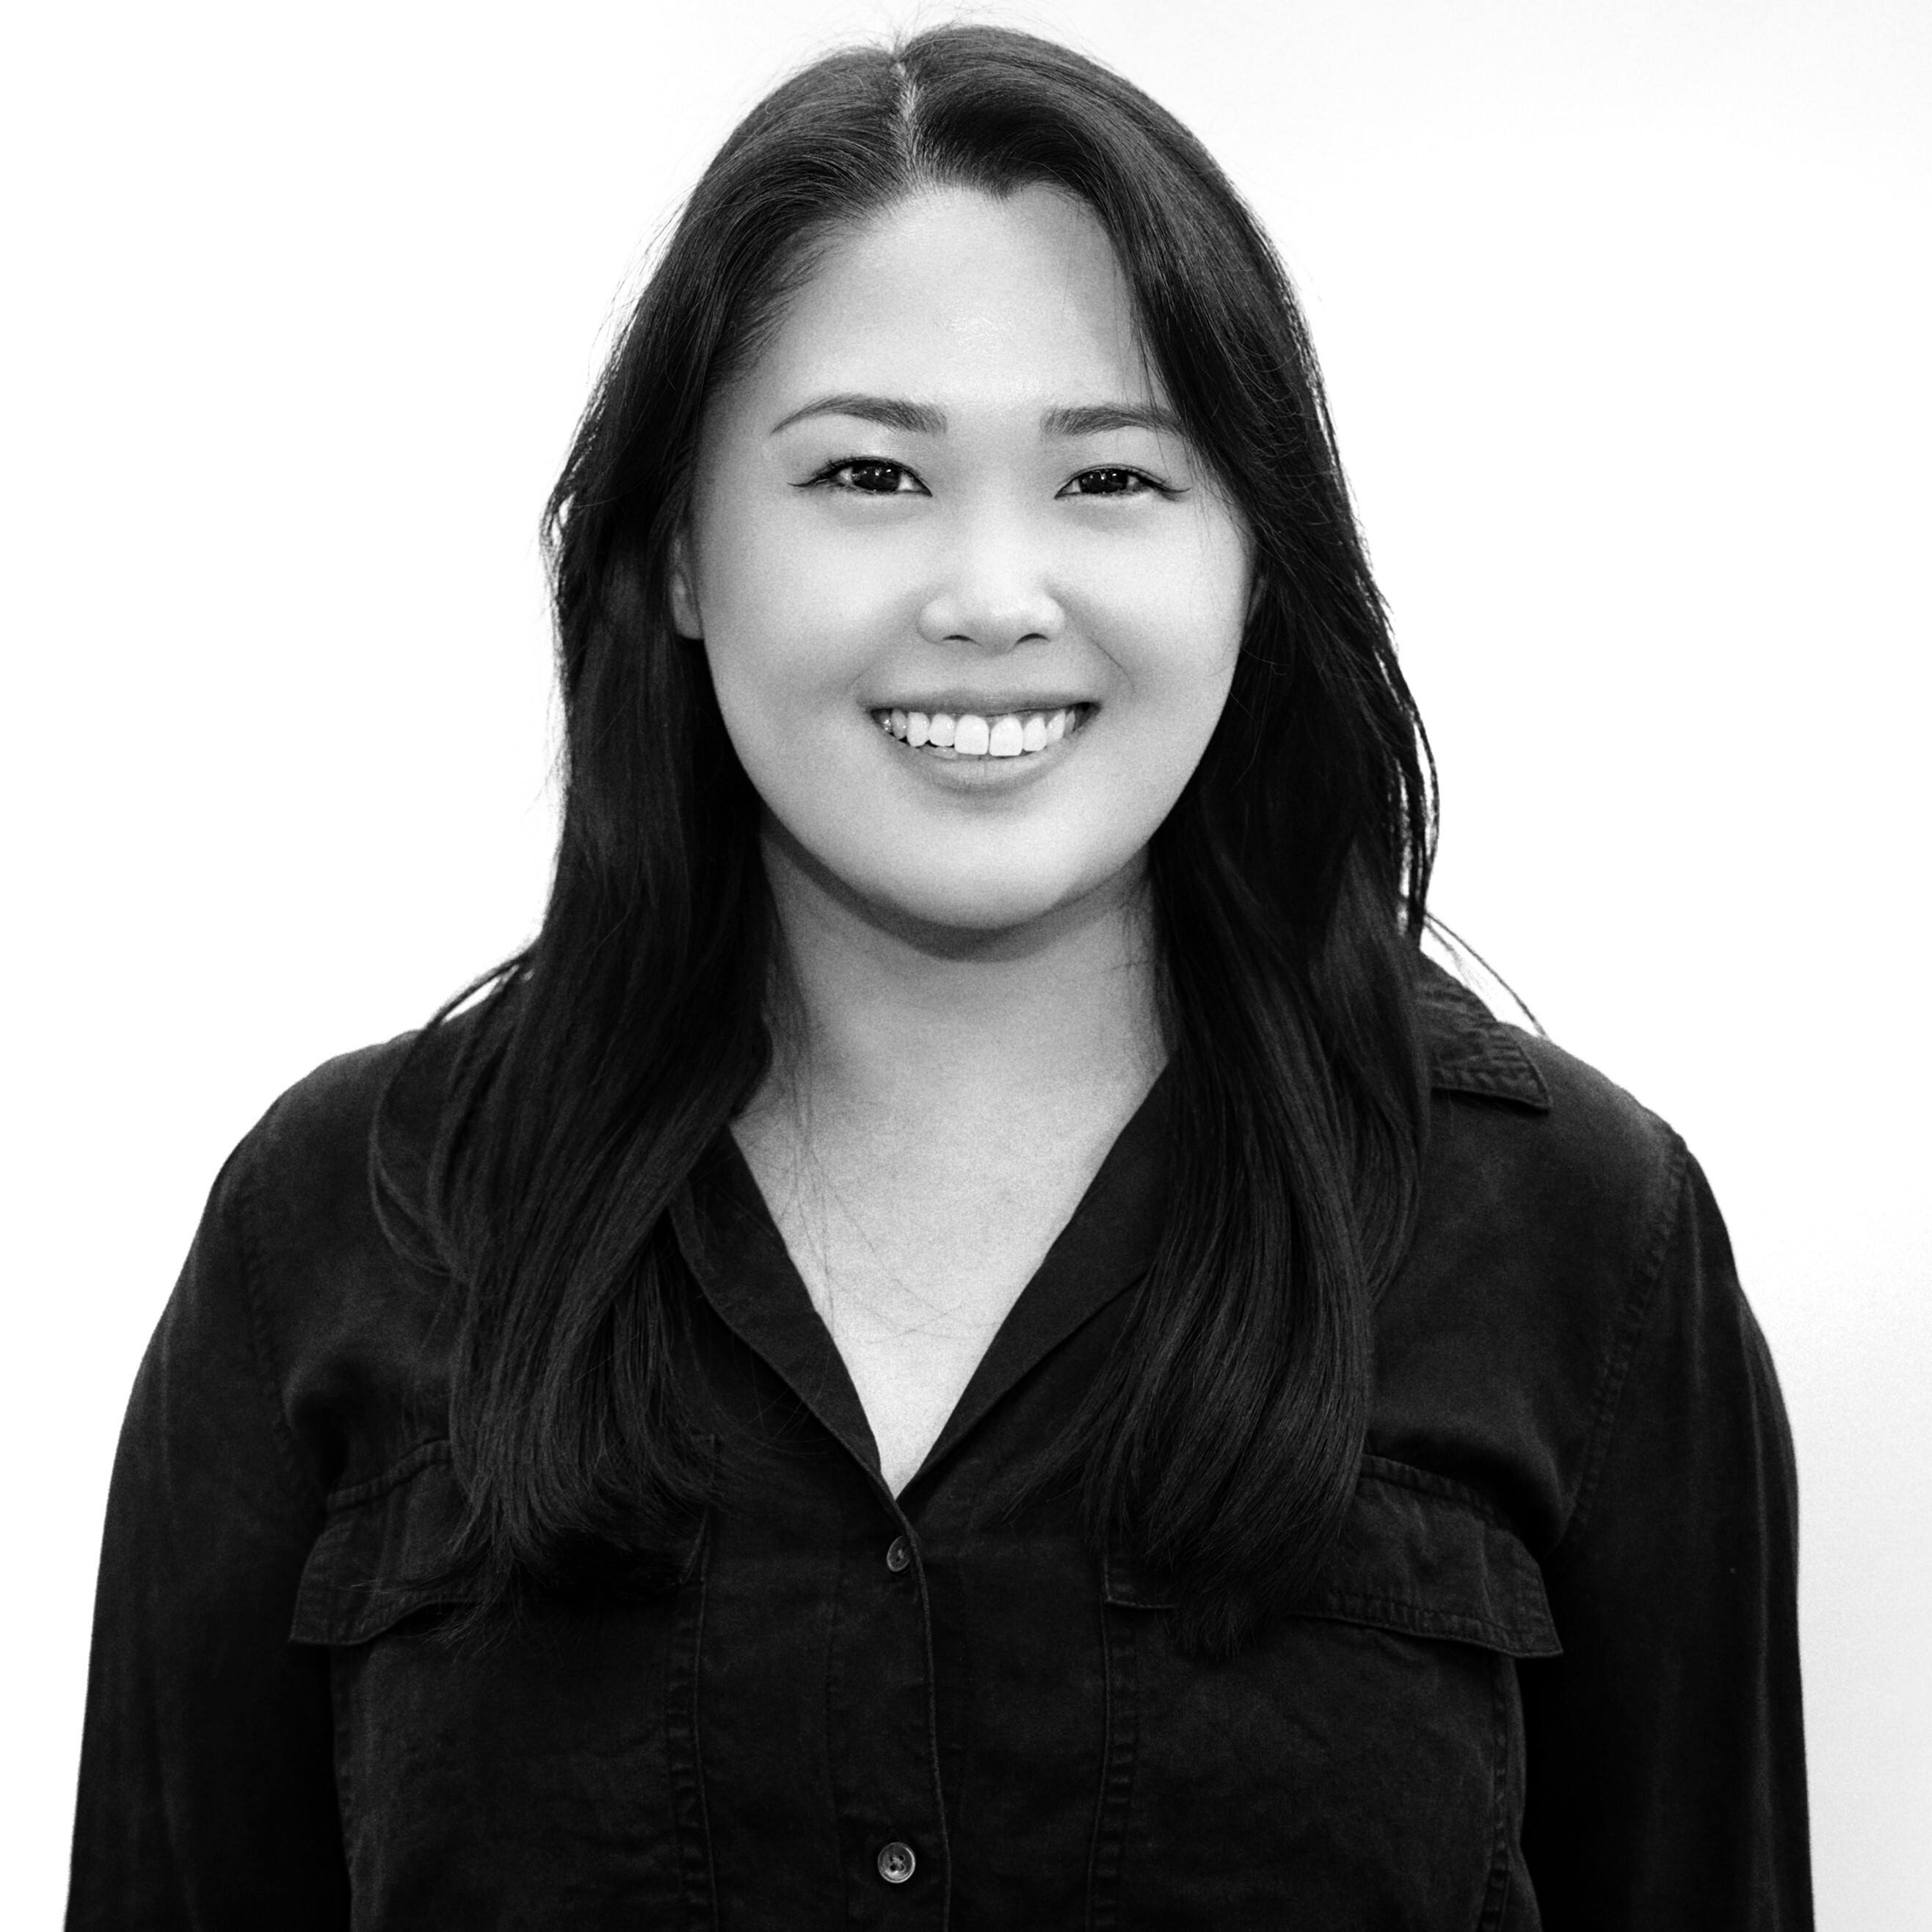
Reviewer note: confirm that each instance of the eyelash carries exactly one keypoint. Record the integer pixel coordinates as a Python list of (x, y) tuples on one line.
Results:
[(829, 478)]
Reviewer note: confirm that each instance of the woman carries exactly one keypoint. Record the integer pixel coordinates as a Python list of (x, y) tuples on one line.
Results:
[(970, 1336)]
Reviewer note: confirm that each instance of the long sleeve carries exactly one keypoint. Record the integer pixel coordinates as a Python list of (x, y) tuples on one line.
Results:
[(1666, 1768), (207, 1798)]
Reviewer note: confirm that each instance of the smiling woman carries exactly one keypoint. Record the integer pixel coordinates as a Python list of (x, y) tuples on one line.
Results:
[(949, 488), (970, 1336), (983, 524)]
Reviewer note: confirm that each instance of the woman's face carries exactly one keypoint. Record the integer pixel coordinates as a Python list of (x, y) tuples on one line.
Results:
[(971, 604)]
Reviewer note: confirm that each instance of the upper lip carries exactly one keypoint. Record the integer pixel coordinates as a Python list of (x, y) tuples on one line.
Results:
[(999, 705)]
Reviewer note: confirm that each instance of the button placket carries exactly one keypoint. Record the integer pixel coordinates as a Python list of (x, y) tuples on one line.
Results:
[(884, 1750)]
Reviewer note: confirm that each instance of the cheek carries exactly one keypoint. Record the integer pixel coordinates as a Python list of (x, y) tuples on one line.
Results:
[(1174, 618), (790, 622)]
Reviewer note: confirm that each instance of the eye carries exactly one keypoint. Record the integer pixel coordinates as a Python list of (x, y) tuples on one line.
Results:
[(871, 476), (1114, 480)]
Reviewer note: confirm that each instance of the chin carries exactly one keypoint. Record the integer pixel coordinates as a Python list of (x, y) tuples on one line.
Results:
[(999, 900), (989, 913), (933, 886)]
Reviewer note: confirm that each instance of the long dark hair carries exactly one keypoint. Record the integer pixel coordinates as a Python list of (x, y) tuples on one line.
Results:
[(1222, 1442)]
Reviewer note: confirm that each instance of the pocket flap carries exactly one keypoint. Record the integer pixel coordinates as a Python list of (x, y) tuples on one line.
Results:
[(383, 1541), (1418, 1554)]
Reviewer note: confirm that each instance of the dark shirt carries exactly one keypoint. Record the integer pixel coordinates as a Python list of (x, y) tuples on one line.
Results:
[(1549, 1677)]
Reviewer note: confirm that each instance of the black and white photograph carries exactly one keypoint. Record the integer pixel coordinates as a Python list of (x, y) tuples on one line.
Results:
[(969, 967)]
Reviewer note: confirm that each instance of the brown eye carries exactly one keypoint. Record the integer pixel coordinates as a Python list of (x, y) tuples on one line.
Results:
[(1110, 482), (875, 478)]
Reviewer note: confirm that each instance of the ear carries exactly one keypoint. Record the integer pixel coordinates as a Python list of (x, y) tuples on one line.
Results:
[(684, 610), (1257, 589)]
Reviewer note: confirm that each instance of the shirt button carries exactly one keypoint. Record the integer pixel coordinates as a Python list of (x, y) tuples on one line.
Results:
[(896, 1863), (898, 1557)]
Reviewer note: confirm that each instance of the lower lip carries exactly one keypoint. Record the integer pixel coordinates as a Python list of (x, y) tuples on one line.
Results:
[(982, 771)]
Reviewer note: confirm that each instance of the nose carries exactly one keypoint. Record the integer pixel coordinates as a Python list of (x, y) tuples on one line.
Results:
[(993, 590)]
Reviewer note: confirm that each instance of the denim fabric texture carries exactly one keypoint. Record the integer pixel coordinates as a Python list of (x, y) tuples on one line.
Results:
[(1549, 1677)]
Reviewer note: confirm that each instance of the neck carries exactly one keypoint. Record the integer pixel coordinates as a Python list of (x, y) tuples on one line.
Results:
[(898, 1019)]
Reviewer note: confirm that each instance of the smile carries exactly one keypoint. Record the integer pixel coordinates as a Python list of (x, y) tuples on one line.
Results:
[(966, 734)]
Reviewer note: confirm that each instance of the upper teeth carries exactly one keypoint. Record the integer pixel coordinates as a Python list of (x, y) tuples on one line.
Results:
[(967, 734)]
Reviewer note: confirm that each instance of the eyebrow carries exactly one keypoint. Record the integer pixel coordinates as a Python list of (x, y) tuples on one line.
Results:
[(923, 419), (1093, 418), (892, 412)]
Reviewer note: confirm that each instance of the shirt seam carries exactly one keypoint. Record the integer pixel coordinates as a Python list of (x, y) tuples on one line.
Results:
[(1406, 1613), (1638, 1304), (410, 1463), (1397, 1474), (302, 1486)]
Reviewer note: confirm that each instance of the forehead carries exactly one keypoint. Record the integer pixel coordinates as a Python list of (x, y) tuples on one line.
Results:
[(957, 295)]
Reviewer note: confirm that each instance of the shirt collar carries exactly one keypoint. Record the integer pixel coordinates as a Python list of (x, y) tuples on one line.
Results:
[(738, 1258), (1470, 1050)]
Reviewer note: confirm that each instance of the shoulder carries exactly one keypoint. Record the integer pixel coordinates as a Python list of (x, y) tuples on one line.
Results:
[(1529, 1129), (1549, 1197), (307, 1161), (348, 1329), (317, 1130)]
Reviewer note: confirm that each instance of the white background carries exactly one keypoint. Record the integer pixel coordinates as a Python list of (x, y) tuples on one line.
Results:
[(1624, 310)]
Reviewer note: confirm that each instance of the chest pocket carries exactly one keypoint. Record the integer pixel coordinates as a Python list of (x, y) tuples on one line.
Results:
[(485, 1784), (1360, 1763), (374, 1565)]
